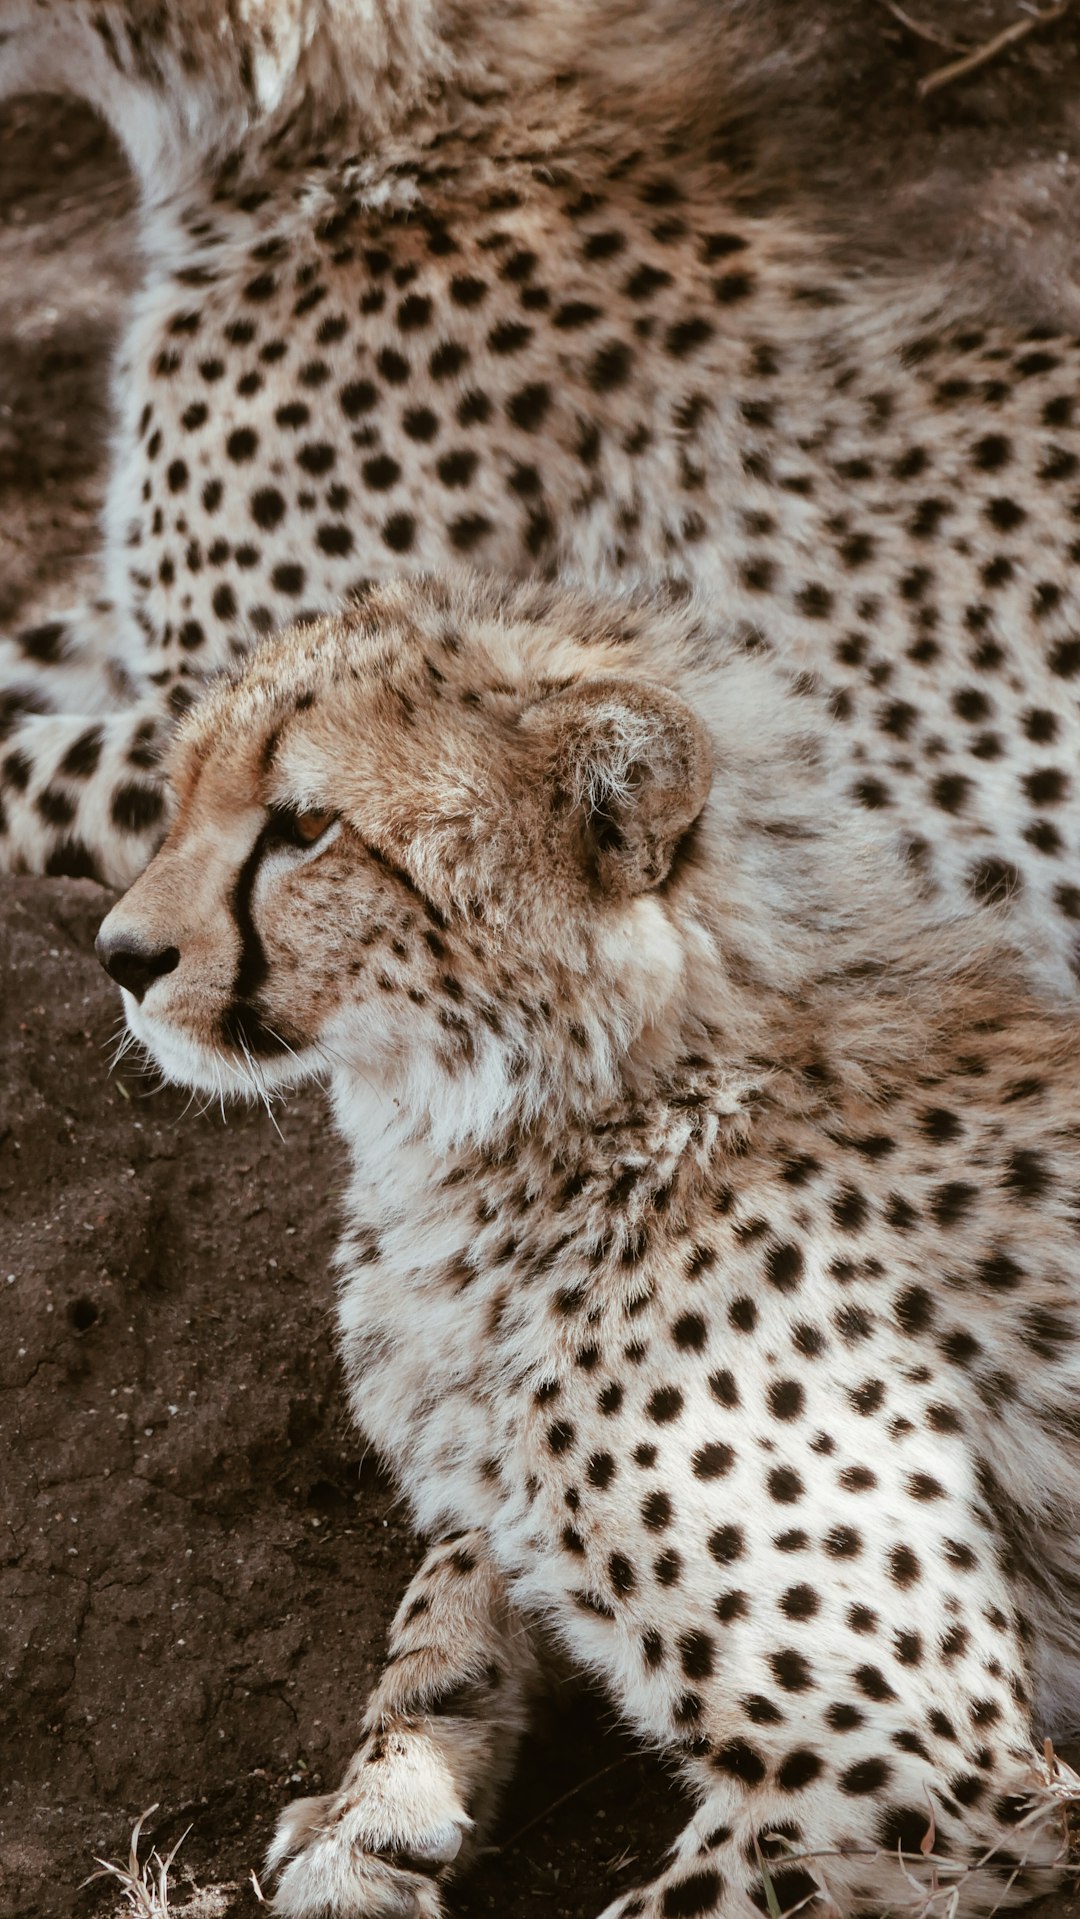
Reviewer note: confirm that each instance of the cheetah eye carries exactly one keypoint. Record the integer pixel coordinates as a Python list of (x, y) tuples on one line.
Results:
[(293, 828)]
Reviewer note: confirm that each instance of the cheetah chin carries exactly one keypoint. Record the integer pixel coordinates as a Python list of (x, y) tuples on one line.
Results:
[(710, 1275)]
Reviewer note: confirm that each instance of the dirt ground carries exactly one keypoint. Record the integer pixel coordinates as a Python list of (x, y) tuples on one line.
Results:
[(198, 1561)]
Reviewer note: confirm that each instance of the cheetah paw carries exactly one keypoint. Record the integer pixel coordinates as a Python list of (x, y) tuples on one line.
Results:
[(377, 1847)]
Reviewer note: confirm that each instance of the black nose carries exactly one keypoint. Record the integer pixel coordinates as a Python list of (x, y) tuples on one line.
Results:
[(132, 965)]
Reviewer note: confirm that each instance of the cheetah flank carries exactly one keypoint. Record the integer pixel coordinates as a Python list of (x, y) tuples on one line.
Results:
[(429, 279), (712, 1257)]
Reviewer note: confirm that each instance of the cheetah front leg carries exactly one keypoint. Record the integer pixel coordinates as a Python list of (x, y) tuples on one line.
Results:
[(440, 1733)]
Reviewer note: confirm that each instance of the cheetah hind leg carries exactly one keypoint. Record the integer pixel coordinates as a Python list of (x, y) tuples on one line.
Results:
[(440, 1732)]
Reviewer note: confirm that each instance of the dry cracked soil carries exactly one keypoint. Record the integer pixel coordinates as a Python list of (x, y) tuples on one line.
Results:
[(198, 1559)]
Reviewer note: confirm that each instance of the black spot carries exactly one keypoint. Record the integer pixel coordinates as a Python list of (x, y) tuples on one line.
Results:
[(288, 577), (993, 880), (730, 288), (420, 423), (740, 1761), (610, 367), (466, 291), (784, 1485), (868, 1775), (600, 1470), (447, 359), (457, 467), (381, 473), (742, 1314), (914, 1309), (1047, 786), (903, 1829), (72, 860), (136, 807), (723, 1388), (664, 1405), (656, 1510), (394, 367), (692, 1897), (621, 1574), (761, 1711), (686, 336), (267, 507), (399, 532), (849, 1209), (467, 531), (1000, 1273), (509, 337), (45, 643), (796, 1770), (952, 1201), (316, 458), (814, 601), (528, 407), (652, 1646), (54, 806), (713, 1461), (242, 444), (334, 538), (360, 396), (873, 1683), (414, 312), (726, 1544), (83, 754), (698, 1654), (1027, 1178), (842, 1542), (904, 1567), (690, 1333), (786, 1399), (791, 1670)]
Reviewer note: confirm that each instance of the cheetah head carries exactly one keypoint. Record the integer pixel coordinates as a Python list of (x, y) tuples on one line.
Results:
[(430, 845)]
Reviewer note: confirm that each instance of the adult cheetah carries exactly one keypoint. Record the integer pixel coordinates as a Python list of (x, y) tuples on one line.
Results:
[(712, 1266), (427, 279)]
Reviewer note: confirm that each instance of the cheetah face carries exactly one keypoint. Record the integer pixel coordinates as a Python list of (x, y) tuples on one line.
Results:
[(427, 845)]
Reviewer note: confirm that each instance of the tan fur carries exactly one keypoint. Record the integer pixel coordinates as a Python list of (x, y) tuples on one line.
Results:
[(426, 282), (711, 1248)]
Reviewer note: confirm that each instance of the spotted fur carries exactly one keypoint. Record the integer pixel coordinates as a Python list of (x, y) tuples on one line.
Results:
[(711, 1259), (423, 284)]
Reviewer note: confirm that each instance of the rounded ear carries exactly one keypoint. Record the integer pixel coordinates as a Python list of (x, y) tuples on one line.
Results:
[(635, 764)]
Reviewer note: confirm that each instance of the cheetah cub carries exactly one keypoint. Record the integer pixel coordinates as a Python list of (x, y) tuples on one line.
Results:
[(712, 1251)]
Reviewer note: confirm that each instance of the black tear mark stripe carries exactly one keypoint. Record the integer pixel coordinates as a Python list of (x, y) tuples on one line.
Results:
[(241, 1023), (399, 874)]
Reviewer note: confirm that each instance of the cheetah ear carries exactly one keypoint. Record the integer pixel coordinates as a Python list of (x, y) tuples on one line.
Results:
[(633, 763)]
